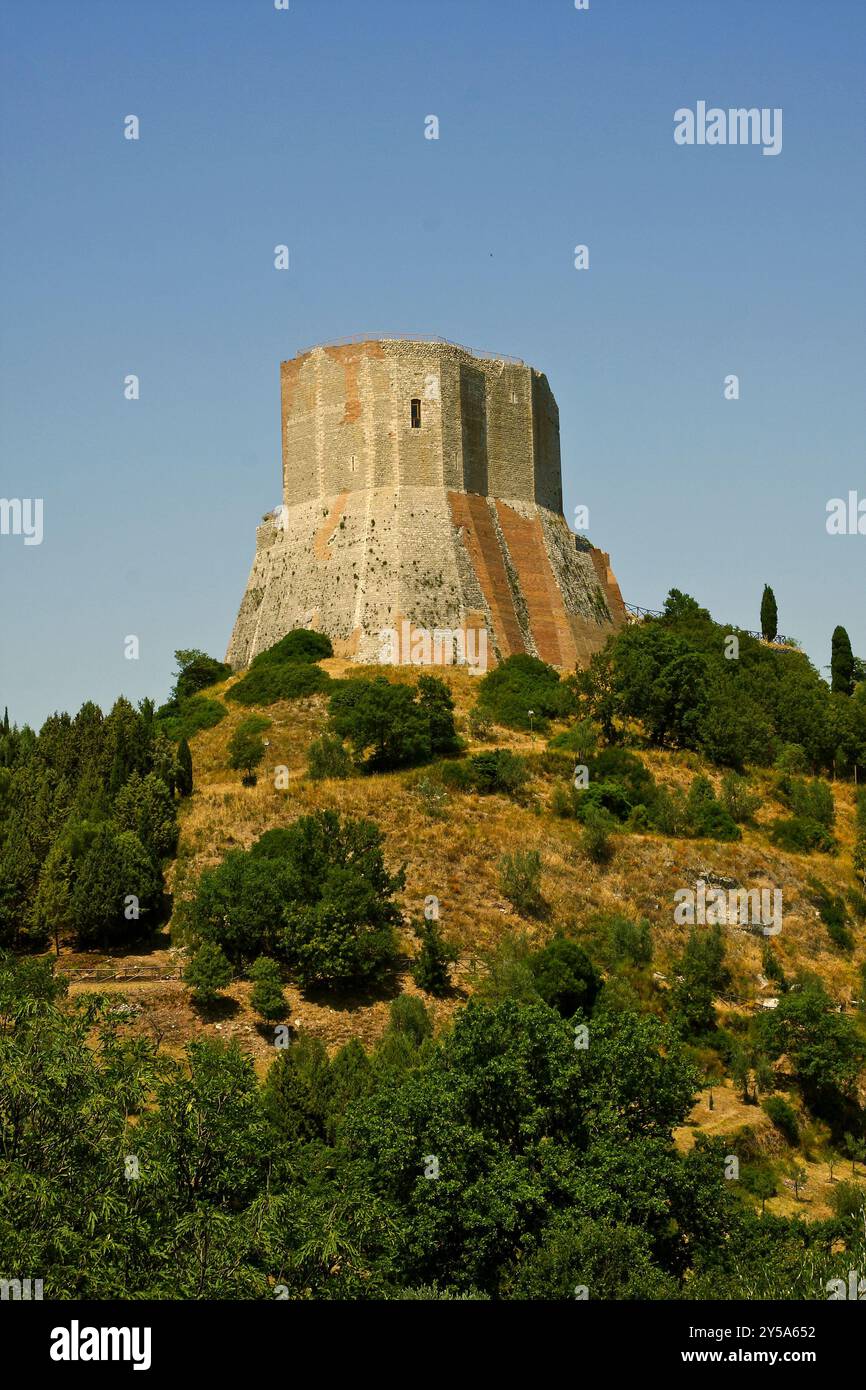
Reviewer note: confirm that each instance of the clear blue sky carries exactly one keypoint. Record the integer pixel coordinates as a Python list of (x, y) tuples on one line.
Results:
[(306, 127)]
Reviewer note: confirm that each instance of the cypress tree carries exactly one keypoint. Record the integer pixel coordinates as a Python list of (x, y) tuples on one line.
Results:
[(769, 615), (841, 663), (183, 772)]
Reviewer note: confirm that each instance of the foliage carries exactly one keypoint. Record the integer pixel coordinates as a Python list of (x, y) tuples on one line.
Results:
[(391, 725), (328, 757), (267, 996), (565, 977), (431, 967), (246, 749), (522, 683), (315, 895), (520, 881), (208, 972)]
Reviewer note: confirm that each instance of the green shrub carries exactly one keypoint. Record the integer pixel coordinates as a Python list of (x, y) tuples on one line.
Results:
[(800, 836), (431, 967), (409, 1017), (246, 749), (299, 645), (208, 972), (581, 740), (739, 802), (189, 717), (833, 913), (629, 941), (267, 996), (705, 816), (792, 759), (328, 757), (196, 671), (807, 799), (391, 725), (848, 1200), (480, 725), (499, 770), (784, 1117), (595, 840), (264, 685), (520, 881), (522, 683), (565, 977), (315, 895)]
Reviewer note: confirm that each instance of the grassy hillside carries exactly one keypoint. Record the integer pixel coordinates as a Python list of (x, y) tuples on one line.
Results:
[(455, 855)]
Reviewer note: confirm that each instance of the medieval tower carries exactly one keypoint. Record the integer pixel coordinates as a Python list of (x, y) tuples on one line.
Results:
[(422, 489)]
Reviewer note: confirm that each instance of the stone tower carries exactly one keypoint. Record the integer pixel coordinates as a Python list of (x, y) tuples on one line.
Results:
[(422, 492)]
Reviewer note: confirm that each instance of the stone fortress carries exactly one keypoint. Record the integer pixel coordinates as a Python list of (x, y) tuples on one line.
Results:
[(422, 490)]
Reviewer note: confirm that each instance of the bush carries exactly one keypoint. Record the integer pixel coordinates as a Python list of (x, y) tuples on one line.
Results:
[(328, 757), (833, 913), (739, 802), (705, 816), (196, 671), (595, 840), (480, 725), (408, 1017), (208, 972), (784, 1117), (246, 749), (522, 683), (800, 836), (581, 740), (264, 685), (430, 970), (629, 941), (315, 895), (500, 770), (298, 646), (189, 717), (848, 1200), (565, 977), (267, 996), (520, 881), (392, 725), (792, 759)]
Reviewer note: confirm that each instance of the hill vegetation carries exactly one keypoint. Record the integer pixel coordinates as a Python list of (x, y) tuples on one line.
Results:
[(445, 1026)]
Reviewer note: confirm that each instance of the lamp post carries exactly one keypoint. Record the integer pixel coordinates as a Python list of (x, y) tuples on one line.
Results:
[(530, 712)]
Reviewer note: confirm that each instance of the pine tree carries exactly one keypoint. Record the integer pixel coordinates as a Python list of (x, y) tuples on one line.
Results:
[(208, 972), (183, 771), (431, 968), (267, 997), (841, 663), (769, 615)]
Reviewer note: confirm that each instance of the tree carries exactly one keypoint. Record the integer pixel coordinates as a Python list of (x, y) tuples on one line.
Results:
[(386, 723), (431, 967), (565, 977), (824, 1047), (841, 663), (196, 671), (267, 996), (146, 806), (208, 972), (183, 772), (769, 615), (246, 749)]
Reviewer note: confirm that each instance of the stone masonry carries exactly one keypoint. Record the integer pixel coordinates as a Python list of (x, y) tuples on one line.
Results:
[(422, 485)]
